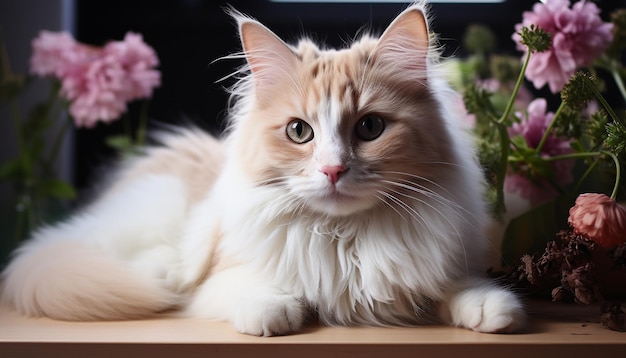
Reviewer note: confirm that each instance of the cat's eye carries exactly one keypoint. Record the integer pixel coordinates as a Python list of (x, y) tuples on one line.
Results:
[(369, 127), (299, 131)]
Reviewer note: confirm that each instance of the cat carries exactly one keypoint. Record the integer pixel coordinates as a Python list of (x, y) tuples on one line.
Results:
[(344, 188)]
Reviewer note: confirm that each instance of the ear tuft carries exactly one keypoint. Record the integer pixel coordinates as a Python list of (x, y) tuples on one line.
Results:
[(405, 43), (271, 60)]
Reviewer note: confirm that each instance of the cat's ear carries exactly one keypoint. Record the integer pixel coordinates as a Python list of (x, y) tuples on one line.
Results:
[(404, 44), (271, 60)]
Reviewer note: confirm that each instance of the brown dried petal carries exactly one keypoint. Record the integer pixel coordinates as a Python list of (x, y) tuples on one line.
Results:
[(558, 293), (599, 218)]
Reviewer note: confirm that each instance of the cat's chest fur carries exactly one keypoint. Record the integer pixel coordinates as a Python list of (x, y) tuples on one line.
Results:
[(374, 266)]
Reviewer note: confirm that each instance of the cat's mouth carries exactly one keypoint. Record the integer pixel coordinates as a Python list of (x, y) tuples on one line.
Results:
[(336, 202), (339, 196)]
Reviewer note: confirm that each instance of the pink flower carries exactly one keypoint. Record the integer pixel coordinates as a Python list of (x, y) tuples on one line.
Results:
[(52, 52), (98, 82), (532, 127), (95, 91), (599, 218), (579, 36), (137, 60)]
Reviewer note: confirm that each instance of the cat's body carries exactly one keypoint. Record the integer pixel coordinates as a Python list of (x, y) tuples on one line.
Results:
[(345, 187)]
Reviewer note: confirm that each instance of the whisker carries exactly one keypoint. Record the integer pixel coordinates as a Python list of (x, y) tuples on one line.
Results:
[(444, 217), (418, 177), (457, 209), (420, 189), (416, 187), (410, 210), (384, 201)]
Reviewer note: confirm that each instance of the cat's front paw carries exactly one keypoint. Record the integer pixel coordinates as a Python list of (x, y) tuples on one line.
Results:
[(271, 315), (487, 310)]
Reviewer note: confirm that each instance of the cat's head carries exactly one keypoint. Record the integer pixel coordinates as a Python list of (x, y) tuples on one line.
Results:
[(345, 130)]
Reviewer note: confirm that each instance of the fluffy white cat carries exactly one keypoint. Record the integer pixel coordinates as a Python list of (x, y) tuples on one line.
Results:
[(345, 188)]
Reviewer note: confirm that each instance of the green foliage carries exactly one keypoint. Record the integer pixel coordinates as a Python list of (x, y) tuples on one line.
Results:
[(504, 68), (618, 18), (123, 144), (529, 232), (569, 124), (615, 141), (479, 39), (31, 172)]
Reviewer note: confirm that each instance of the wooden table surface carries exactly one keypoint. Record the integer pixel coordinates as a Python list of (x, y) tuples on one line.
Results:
[(555, 330)]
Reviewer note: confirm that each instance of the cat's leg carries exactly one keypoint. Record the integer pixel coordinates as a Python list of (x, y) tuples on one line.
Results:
[(249, 301), (481, 306)]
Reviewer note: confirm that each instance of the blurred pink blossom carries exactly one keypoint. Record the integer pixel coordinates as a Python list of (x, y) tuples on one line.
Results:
[(579, 36), (52, 52), (532, 127), (98, 82), (137, 61)]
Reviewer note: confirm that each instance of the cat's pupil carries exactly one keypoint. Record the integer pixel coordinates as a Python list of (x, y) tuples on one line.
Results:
[(370, 127), (298, 127), (299, 131)]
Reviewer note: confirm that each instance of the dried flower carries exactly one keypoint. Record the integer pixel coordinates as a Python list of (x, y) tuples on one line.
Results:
[(532, 128), (599, 218), (579, 36)]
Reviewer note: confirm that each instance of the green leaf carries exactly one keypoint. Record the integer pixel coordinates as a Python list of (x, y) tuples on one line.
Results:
[(38, 120), (11, 88), (529, 233), (56, 188), (119, 142), (11, 169), (519, 142)]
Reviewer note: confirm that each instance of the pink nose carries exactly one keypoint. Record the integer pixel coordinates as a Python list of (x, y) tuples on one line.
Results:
[(333, 172)]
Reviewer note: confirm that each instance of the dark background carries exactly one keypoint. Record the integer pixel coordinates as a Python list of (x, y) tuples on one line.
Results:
[(189, 35)]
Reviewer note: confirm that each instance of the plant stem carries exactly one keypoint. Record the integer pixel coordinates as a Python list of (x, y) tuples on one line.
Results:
[(127, 127), (143, 123), (505, 141), (53, 115), (17, 124), (56, 147), (587, 172), (593, 154), (572, 156), (546, 133), (604, 103), (518, 84), (617, 174), (618, 80)]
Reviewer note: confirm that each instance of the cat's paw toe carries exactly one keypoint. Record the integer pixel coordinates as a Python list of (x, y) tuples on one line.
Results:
[(274, 315), (497, 312)]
